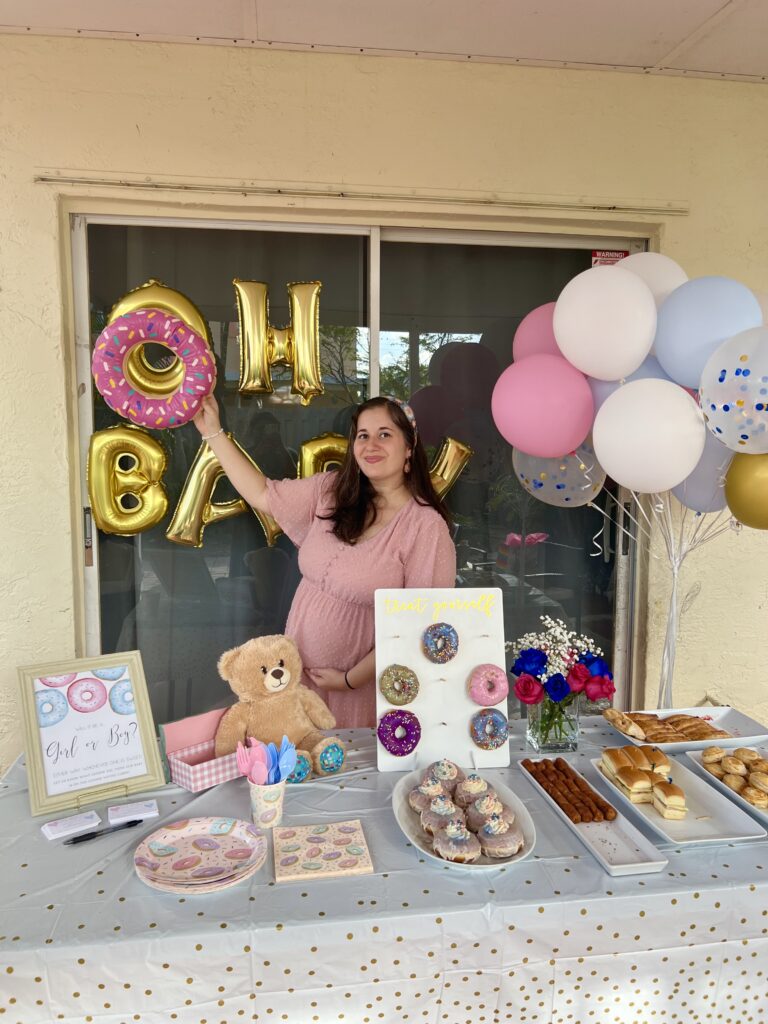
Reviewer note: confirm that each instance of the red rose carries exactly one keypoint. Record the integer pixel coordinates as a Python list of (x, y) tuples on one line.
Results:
[(528, 690), (578, 677), (598, 687)]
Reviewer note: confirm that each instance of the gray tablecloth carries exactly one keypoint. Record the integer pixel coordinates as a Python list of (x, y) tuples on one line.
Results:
[(551, 939)]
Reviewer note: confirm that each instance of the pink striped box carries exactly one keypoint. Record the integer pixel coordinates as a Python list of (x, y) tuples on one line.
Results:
[(194, 766)]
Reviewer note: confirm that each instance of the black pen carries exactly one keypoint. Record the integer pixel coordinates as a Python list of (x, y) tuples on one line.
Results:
[(100, 832)]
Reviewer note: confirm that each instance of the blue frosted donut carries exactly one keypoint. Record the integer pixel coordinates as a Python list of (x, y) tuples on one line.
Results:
[(121, 698), (109, 675), (52, 707), (302, 770), (389, 726), (440, 642), (489, 729)]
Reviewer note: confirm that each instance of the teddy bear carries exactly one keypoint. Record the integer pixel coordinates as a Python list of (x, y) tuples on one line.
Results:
[(265, 674)]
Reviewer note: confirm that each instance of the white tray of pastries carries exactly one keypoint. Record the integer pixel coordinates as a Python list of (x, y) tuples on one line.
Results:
[(515, 831), (677, 731), (674, 802), (742, 774), (613, 841)]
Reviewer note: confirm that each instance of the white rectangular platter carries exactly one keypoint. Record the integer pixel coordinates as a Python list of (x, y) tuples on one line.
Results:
[(409, 822), (616, 845), (745, 731), (760, 813), (442, 705), (710, 818)]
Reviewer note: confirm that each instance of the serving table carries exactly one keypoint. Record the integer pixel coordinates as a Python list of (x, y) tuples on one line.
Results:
[(550, 939)]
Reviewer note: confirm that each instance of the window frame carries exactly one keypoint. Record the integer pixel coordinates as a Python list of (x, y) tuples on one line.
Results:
[(627, 582)]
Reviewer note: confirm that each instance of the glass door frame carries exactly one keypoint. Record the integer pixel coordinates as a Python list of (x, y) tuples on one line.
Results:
[(627, 556)]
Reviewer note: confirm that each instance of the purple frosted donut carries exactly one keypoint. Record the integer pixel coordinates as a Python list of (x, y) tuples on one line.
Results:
[(488, 685), (394, 722), (210, 872), (440, 642), (489, 729), (87, 695)]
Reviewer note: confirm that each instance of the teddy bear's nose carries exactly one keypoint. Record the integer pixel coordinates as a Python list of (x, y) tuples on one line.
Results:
[(277, 673)]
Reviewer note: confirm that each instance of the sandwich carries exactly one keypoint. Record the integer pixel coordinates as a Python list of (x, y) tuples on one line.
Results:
[(635, 785), (614, 758), (669, 800), (637, 758), (657, 759)]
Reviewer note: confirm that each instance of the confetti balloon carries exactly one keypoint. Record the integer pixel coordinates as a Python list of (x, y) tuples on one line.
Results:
[(734, 392), (569, 482)]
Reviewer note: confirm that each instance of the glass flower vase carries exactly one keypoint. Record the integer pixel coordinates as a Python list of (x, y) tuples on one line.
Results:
[(553, 726)]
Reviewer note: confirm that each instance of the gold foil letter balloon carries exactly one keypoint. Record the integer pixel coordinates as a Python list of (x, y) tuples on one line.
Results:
[(196, 510), (322, 453), (152, 395), (126, 461), (452, 456), (263, 346), (746, 490)]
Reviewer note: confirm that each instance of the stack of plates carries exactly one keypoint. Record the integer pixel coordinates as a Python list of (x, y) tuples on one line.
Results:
[(198, 855)]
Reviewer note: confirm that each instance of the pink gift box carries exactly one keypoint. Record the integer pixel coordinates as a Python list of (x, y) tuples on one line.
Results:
[(189, 746)]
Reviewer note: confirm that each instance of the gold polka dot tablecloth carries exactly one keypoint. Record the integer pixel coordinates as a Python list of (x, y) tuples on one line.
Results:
[(552, 939)]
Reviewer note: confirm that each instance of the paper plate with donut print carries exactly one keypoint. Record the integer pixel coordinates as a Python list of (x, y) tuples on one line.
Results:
[(200, 852), (410, 823)]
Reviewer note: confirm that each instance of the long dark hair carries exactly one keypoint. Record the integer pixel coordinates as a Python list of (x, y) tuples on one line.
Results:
[(353, 495)]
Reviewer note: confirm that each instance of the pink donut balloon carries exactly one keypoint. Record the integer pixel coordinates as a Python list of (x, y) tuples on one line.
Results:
[(64, 680), (488, 685), (152, 398)]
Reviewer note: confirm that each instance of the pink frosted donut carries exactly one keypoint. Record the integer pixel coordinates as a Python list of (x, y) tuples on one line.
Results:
[(488, 685), (87, 695), (117, 367), (64, 680)]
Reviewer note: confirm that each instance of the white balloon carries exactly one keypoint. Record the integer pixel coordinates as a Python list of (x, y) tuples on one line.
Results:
[(660, 273), (649, 435), (604, 321), (762, 298)]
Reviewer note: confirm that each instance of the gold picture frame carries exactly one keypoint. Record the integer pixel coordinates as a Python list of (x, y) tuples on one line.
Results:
[(89, 734)]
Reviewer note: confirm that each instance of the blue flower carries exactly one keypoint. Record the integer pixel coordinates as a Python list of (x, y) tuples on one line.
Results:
[(557, 687), (530, 661), (597, 666)]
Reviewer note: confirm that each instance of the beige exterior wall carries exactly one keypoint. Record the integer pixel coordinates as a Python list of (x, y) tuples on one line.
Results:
[(684, 162)]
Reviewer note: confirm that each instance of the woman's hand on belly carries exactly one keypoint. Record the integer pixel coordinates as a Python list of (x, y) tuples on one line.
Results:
[(327, 678)]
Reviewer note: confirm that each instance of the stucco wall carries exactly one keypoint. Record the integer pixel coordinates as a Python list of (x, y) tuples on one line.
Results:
[(219, 115)]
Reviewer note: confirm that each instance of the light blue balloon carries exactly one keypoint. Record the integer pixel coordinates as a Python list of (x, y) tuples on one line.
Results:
[(704, 489), (601, 389), (698, 317)]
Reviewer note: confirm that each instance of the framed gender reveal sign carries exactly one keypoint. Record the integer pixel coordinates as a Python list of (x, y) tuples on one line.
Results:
[(89, 733), (441, 681)]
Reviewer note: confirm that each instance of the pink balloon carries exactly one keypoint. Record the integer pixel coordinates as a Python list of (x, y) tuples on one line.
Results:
[(535, 335), (543, 406)]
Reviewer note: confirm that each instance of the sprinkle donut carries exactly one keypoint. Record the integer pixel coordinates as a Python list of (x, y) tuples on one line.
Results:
[(138, 392), (121, 698), (399, 685), (488, 685), (52, 707), (87, 695), (64, 680), (393, 722), (440, 642), (489, 729)]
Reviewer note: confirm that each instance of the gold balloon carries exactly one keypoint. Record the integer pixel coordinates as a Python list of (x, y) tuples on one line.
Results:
[(746, 490), (263, 346), (452, 456), (109, 483), (159, 382), (196, 510), (322, 453)]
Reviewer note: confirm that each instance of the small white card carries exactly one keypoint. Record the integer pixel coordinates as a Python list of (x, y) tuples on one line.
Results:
[(63, 827), (140, 811)]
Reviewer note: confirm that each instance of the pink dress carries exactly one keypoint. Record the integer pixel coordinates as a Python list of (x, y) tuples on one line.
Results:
[(331, 618)]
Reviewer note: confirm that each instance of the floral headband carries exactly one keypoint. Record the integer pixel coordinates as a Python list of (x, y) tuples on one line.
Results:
[(407, 410)]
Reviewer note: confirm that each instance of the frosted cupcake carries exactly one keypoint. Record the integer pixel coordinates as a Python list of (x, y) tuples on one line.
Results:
[(447, 772), (480, 811), (422, 796), (455, 842), (471, 789), (499, 838), (441, 810)]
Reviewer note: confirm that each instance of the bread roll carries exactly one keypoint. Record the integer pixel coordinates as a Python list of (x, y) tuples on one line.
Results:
[(733, 766), (735, 782), (657, 759), (755, 796), (634, 784), (637, 758), (614, 758), (710, 754), (716, 769), (746, 754), (759, 780), (669, 801)]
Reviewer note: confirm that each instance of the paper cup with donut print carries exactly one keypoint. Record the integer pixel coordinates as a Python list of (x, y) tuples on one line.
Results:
[(267, 803)]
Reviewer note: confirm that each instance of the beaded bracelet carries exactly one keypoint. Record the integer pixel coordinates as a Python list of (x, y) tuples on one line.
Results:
[(210, 437)]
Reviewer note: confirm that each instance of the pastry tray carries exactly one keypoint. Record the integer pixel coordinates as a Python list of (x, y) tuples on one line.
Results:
[(745, 731), (760, 813)]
